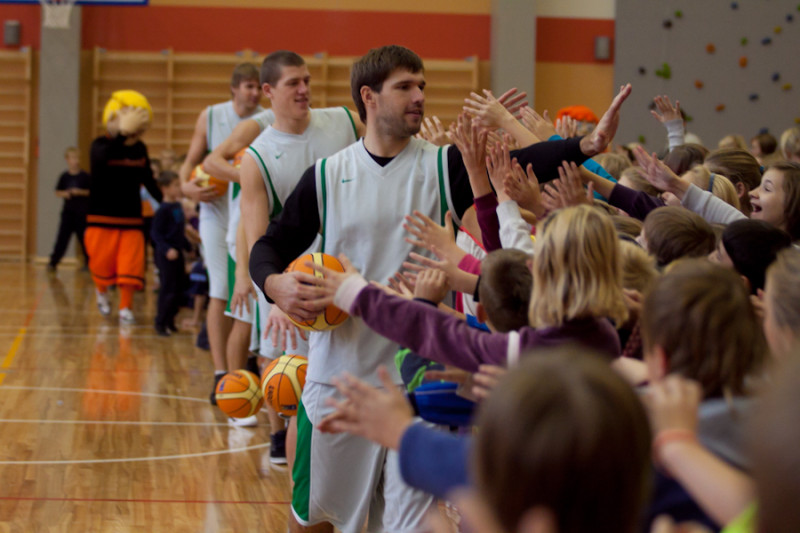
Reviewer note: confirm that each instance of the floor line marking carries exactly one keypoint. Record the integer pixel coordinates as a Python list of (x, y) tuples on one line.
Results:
[(111, 422), (12, 352), (139, 459), (135, 500), (102, 391)]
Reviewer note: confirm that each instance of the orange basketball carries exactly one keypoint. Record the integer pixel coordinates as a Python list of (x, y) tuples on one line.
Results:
[(204, 179), (332, 316), (239, 394), (283, 383)]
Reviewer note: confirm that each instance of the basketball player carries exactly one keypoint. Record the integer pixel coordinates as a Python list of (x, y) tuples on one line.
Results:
[(274, 163), (213, 126), (357, 199)]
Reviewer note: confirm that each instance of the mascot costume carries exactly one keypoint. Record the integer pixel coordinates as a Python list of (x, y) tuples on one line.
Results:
[(120, 166)]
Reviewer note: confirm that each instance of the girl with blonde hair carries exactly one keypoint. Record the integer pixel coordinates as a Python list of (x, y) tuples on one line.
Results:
[(576, 298)]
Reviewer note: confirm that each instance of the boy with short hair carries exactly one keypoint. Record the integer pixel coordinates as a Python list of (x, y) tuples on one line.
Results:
[(73, 187), (169, 240)]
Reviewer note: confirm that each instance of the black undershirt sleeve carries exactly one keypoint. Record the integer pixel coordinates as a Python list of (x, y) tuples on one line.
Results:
[(546, 157), (290, 234)]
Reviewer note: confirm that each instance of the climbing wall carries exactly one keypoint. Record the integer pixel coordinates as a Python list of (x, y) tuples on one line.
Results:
[(732, 65)]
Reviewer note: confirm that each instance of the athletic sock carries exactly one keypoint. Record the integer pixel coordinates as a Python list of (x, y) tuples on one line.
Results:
[(125, 297)]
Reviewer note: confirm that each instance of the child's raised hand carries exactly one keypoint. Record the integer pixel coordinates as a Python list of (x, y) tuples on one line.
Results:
[(379, 415), (172, 254), (658, 174), (672, 404), (539, 125), (665, 111), (567, 127), (567, 190), (486, 379), (431, 285), (400, 285), (434, 132), (332, 279), (470, 139), (490, 111), (280, 328), (522, 186), (428, 233)]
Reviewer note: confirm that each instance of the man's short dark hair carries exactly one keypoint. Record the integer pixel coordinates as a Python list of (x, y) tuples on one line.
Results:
[(243, 72), (273, 64), (376, 66)]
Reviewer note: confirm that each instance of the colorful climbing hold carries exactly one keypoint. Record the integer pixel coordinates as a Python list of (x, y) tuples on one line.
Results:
[(789, 17), (766, 41), (787, 87), (698, 83), (642, 71), (777, 30), (744, 41), (641, 139), (710, 48), (679, 14), (743, 61), (763, 131), (734, 5), (797, 120), (664, 72), (776, 76), (753, 97), (720, 107), (667, 24)]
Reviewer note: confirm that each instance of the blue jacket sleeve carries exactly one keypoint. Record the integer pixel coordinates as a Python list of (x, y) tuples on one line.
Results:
[(592, 166), (434, 461)]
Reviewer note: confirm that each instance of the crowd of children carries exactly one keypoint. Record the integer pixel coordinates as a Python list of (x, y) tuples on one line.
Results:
[(647, 306)]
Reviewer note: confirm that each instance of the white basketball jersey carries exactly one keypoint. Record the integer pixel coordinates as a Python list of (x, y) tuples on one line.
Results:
[(282, 158), (263, 119), (221, 120), (361, 207)]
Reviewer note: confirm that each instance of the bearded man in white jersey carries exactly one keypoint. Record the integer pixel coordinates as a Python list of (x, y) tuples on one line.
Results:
[(357, 199)]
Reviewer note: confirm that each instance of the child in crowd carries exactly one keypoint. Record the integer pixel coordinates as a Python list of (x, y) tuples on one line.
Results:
[(576, 297), (169, 240), (73, 187)]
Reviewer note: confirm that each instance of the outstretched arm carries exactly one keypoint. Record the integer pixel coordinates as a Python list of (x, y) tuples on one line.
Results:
[(197, 147), (217, 162), (423, 328)]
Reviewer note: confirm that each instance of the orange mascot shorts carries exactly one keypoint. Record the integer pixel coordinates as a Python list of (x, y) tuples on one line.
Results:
[(116, 256)]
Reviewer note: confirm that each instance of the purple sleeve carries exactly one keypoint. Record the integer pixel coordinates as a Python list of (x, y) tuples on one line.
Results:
[(486, 209), (429, 332), (636, 203), (470, 264)]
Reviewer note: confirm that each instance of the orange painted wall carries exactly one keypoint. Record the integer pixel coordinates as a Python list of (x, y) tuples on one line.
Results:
[(566, 71), (212, 29)]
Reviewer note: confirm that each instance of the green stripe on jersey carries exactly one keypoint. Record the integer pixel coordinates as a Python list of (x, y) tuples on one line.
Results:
[(352, 122), (301, 473), (231, 281), (278, 207), (442, 192), (324, 201)]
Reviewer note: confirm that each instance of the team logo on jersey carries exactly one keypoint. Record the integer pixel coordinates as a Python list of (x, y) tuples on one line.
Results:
[(279, 155)]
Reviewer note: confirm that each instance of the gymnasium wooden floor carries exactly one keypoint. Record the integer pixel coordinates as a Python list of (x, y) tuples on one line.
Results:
[(110, 429)]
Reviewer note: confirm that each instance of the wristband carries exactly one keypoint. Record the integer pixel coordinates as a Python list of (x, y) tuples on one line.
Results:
[(669, 435)]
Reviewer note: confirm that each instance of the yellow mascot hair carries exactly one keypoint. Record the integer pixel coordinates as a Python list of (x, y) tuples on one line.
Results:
[(127, 98)]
